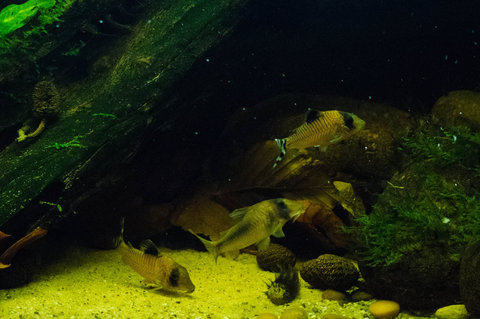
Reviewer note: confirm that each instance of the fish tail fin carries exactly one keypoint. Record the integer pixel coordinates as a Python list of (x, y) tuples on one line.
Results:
[(282, 145), (209, 245), (120, 239)]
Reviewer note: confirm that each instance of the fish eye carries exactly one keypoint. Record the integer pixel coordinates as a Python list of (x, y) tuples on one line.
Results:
[(174, 276), (349, 121)]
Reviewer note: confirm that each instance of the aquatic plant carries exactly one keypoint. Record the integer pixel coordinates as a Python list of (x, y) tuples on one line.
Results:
[(285, 287), (74, 142), (443, 147), (430, 203), (23, 30), (15, 16)]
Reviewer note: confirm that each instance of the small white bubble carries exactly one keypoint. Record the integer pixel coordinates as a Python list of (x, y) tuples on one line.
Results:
[(366, 148), (254, 117), (207, 60), (446, 57), (369, 97), (460, 112), (438, 145), (196, 133), (244, 109)]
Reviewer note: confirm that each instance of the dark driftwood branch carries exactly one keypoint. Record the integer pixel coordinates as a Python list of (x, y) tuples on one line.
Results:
[(7, 256), (143, 66)]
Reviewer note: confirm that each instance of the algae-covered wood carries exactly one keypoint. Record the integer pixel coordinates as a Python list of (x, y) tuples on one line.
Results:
[(103, 114)]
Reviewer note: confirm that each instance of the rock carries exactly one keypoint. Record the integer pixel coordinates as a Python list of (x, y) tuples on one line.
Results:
[(294, 313), (321, 222), (384, 309), (421, 280), (330, 272), (286, 286), (458, 108), (360, 295), (330, 294), (333, 316), (452, 312), (274, 256), (470, 278)]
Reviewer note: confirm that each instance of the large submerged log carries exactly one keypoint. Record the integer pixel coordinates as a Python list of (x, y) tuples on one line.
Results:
[(105, 113)]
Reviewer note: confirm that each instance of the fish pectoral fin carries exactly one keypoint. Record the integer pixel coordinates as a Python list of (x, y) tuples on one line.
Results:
[(232, 254), (336, 139), (149, 247), (264, 243), (278, 232), (239, 213)]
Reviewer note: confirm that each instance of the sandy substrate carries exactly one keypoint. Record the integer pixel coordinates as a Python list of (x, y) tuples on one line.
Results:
[(96, 284)]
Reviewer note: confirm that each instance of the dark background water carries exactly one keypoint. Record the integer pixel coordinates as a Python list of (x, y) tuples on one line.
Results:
[(406, 53)]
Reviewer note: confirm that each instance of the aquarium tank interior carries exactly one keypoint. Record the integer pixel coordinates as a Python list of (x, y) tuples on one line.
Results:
[(239, 159)]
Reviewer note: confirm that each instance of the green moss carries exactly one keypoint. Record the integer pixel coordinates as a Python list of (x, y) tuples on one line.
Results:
[(22, 29), (444, 146), (15, 16), (430, 203)]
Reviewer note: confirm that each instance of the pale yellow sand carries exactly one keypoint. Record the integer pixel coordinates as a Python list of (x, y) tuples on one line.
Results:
[(96, 284)]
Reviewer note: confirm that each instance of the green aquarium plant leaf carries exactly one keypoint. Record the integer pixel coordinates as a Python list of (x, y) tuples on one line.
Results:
[(15, 16), (433, 202)]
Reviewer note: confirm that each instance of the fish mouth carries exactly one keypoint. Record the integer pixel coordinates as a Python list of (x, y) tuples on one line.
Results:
[(301, 210), (297, 214)]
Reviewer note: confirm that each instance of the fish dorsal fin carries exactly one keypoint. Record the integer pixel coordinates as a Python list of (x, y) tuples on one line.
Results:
[(238, 214), (149, 247), (311, 115)]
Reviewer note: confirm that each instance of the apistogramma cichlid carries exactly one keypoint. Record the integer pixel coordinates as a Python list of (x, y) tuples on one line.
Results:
[(255, 224), (160, 270), (320, 129)]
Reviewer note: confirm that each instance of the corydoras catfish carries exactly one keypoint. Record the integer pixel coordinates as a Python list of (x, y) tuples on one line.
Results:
[(255, 224)]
